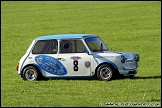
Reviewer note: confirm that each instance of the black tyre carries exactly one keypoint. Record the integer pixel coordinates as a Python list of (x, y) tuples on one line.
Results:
[(31, 73), (104, 72)]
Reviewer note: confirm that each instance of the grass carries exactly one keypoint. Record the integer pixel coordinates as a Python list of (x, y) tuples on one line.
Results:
[(123, 26)]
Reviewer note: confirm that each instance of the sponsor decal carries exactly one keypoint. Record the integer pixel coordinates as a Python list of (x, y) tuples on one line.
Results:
[(30, 59), (107, 56), (87, 64), (50, 65), (75, 57)]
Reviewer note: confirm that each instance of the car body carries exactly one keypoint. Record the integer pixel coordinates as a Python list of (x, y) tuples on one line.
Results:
[(74, 55)]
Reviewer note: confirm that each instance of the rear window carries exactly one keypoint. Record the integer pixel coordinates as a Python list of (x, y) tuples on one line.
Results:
[(45, 47)]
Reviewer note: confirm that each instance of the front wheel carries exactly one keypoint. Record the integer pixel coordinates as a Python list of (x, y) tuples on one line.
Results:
[(104, 72), (30, 73)]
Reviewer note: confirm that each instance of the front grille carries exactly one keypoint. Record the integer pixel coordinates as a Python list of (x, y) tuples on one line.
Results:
[(130, 64)]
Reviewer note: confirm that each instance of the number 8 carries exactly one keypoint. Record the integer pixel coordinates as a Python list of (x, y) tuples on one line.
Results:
[(75, 63)]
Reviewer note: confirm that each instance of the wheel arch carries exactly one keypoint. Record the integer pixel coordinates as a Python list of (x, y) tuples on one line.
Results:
[(35, 65), (112, 65)]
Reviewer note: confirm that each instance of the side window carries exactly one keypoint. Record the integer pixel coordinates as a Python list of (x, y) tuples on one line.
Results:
[(72, 46), (66, 46), (80, 47), (45, 47)]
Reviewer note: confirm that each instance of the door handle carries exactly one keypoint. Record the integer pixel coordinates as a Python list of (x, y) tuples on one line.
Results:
[(60, 58)]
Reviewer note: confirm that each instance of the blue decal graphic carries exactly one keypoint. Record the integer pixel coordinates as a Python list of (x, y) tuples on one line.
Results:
[(51, 65)]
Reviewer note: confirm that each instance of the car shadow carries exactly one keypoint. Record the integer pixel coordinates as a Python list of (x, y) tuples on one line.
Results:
[(71, 78), (117, 78), (146, 77), (139, 77)]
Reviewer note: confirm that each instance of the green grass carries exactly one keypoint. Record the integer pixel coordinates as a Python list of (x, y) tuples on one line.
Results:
[(123, 26)]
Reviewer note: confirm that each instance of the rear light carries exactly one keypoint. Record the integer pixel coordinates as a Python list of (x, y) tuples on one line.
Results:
[(17, 66)]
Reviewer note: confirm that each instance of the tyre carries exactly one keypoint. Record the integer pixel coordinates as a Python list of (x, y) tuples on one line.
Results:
[(104, 72), (31, 73)]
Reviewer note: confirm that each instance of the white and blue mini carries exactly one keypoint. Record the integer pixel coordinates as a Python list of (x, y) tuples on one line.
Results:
[(74, 55)]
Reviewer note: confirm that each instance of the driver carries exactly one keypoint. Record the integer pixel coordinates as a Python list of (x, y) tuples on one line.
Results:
[(66, 46)]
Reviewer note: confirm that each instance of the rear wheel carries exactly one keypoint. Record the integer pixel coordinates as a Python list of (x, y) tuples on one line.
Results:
[(104, 72), (31, 73)]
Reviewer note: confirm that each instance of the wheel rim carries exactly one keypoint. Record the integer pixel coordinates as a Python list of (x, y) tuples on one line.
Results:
[(30, 74), (105, 73)]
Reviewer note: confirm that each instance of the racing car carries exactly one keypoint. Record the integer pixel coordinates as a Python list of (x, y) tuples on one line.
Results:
[(74, 55)]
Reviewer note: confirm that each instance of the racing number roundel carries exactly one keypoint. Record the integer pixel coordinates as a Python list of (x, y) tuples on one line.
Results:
[(75, 62)]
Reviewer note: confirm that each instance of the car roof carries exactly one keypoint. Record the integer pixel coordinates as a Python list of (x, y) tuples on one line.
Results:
[(65, 36)]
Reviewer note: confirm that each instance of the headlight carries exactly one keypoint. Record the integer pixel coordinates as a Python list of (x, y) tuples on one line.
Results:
[(136, 57), (123, 59)]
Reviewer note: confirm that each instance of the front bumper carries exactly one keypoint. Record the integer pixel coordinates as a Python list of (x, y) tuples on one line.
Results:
[(128, 72)]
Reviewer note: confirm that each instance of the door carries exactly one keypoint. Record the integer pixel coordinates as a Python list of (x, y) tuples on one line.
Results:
[(73, 55)]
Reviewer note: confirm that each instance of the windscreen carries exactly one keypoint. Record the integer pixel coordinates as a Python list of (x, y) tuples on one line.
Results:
[(95, 44)]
